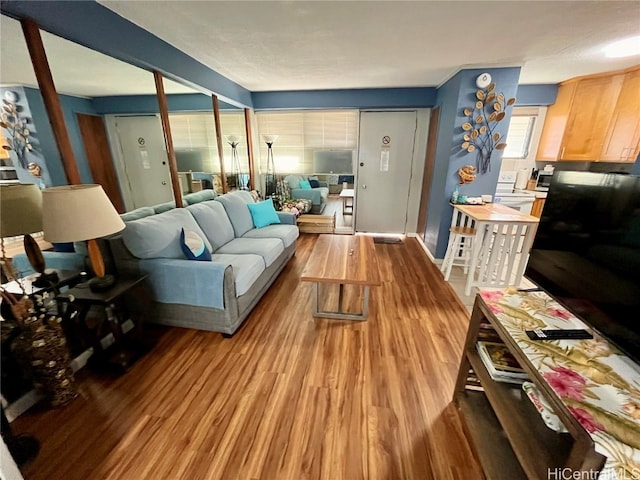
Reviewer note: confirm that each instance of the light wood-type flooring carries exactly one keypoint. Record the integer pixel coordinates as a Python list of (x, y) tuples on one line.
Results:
[(288, 397)]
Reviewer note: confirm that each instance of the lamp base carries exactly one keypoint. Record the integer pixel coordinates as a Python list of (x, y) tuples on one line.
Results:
[(99, 284), (47, 278)]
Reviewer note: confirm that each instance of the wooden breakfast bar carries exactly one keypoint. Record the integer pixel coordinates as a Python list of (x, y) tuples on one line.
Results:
[(342, 260), (501, 244)]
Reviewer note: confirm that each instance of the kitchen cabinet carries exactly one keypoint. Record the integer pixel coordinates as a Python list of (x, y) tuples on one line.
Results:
[(536, 208), (622, 142), (595, 118)]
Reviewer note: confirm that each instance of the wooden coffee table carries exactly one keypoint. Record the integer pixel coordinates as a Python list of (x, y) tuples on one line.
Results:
[(342, 260)]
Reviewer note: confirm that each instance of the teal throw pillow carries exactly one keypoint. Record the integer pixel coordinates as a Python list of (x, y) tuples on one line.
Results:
[(263, 213), (305, 185), (193, 246)]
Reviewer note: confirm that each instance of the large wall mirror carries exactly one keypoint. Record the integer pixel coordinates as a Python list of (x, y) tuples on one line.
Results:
[(111, 114)]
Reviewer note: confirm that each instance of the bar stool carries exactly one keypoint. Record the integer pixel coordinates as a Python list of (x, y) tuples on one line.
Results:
[(459, 249)]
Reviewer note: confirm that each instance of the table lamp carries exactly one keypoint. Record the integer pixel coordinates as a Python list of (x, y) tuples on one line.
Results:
[(21, 214), (81, 212)]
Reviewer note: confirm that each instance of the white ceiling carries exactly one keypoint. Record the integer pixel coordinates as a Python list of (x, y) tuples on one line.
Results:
[(76, 70), (299, 45)]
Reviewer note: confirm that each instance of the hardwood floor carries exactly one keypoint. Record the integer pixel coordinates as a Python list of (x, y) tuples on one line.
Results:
[(288, 397)]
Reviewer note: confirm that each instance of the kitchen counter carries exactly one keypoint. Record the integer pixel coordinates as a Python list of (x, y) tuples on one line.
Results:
[(537, 193)]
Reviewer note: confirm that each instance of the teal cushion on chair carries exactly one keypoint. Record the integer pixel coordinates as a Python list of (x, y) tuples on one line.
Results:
[(263, 213), (305, 185)]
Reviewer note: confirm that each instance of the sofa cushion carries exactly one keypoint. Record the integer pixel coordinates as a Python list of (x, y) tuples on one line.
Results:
[(314, 183), (193, 247), (263, 213), (305, 185), (293, 181), (158, 236), (268, 248), (286, 233), (212, 219), (201, 196), (246, 269), (137, 214), (235, 204), (164, 207)]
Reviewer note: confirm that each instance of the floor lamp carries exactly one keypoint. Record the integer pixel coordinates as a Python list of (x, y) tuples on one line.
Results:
[(271, 182), (81, 212), (234, 141), (21, 214)]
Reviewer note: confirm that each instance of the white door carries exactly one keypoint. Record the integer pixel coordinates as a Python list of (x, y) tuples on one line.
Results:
[(384, 170), (145, 160)]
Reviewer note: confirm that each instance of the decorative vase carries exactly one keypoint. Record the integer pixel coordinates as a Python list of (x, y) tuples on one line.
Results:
[(41, 347)]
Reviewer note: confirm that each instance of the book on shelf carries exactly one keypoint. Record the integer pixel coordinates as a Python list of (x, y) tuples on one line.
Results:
[(500, 363)]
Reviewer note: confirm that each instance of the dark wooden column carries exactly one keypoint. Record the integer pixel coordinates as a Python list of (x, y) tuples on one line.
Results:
[(216, 118), (51, 100), (247, 128), (168, 139)]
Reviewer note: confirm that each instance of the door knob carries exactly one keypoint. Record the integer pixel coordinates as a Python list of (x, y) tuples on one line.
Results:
[(364, 186), (164, 182)]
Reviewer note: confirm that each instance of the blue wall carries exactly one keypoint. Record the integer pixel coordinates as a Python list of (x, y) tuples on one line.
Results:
[(355, 98), (145, 104), (453, 97), (70, 106), (537, 95)]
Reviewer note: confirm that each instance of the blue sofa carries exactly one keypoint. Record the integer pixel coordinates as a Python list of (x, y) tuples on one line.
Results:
[(216, 295), (79, 258), (317, 195)]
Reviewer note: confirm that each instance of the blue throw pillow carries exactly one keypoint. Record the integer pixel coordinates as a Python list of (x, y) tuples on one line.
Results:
[(304, 185), (63, 247), (263, 213), (314, 183), (193, 246)]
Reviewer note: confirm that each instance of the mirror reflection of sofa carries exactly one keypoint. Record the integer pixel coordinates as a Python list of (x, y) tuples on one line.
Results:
[(317, 194)]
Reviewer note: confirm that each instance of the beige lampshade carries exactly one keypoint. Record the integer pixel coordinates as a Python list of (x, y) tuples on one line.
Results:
[(78, 212), (20, 210)]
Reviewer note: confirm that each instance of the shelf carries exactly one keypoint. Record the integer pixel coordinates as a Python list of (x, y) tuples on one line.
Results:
[(492, 446), (521, 423)]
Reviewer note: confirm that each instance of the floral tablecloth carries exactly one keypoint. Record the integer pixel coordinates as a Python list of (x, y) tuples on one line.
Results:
[(597, 383)]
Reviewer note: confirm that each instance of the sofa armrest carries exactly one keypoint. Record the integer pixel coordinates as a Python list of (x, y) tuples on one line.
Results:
[(201, 283), (287, 218), (313, 195), (55, 260)]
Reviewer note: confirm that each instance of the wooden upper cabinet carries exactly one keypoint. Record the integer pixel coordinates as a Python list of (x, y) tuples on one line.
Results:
[(555, 123), (594, 118), (622, 142), (593, 105)]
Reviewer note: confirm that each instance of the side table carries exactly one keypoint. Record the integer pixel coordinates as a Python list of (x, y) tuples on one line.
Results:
[(115, 304), (66, 278)]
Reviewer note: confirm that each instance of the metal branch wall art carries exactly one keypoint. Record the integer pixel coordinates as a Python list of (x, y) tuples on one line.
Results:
[(16, 126), (480, 130)]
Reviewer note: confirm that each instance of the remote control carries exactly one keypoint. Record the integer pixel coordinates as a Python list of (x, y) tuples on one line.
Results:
[(558, 334)]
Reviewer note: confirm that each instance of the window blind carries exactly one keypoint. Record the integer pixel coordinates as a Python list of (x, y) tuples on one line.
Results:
[(195, 132), (520, 133), (302, 132)]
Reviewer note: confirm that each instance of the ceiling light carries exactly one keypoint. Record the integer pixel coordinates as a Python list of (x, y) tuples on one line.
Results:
[(623, 48)]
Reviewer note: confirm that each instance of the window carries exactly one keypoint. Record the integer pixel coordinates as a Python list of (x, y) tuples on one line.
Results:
[(300, 133), (194, 140), (524, 132)]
